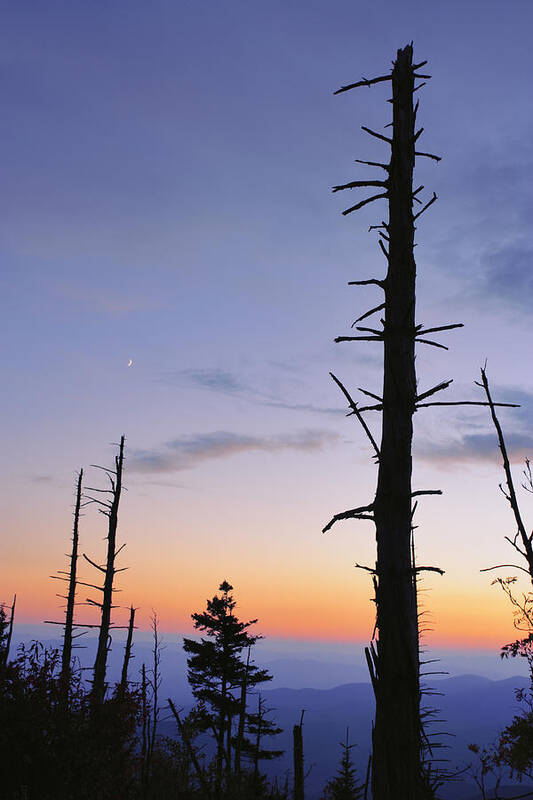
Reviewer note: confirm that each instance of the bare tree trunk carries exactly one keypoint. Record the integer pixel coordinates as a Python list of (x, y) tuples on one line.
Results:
[(156, 683), (298, 760), (127, 654), (242, 717), (393, 659), (397, 731), (111, 511), (398, 769), (66, 656)]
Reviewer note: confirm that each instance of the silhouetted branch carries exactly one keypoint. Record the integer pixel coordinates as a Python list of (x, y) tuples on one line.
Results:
[(352, 513), (429, 569), (440, 328), (376, 134), (370, 394), (368, 282), (501, 566), (438, 388), (367, 569), (373, 164), (434, 344), (358, 339), (513, 502), (355, 410), (102, 569), (358, 184), (425, 208), (428, 155), (363, 82), (368, 313), (383, 249), (465, 403), (368, 200)]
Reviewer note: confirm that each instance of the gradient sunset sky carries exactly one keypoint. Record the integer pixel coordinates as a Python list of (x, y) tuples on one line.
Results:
[(166, 171)]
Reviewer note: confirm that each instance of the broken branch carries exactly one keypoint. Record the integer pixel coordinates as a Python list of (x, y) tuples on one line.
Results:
[(352, 513), (357, 184), (363, 82), (365, 202)]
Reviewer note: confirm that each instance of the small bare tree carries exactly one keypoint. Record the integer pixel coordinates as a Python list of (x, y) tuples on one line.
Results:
[(123, 685)]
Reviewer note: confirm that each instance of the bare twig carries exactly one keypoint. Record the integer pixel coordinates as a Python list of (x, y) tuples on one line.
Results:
[(355, 410)]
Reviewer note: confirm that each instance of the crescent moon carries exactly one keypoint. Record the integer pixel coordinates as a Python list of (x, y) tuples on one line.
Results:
[(130, 362)]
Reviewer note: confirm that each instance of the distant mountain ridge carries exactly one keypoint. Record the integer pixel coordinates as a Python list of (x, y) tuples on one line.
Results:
[(474, 708)]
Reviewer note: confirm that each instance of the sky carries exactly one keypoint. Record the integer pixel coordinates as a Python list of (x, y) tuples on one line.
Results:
[(167, 171)]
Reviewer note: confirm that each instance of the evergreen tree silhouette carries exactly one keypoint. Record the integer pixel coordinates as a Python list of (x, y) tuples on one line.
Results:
[(216, 668), (344, 785)]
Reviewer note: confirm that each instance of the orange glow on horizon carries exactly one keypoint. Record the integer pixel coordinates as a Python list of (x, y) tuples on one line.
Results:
[(342, 614)]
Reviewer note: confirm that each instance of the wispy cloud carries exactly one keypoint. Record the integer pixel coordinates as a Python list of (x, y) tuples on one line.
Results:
[(482, 445), (225, 382), (189, 451), (473, 447), (507, 274)]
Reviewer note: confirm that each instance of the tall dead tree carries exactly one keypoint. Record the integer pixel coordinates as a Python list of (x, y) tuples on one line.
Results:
[(71, 578), (110, 509), (66, 656), (398, 769)]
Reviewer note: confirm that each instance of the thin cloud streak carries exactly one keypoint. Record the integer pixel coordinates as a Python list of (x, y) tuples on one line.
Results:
[(224, 382), (477, 447), (482, 445), (190, 451)]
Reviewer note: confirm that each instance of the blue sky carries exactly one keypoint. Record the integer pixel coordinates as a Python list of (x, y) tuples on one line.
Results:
[(167, 171)]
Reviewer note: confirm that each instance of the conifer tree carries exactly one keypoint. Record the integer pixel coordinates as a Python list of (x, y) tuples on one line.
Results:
[(216, 667), (344, 785)]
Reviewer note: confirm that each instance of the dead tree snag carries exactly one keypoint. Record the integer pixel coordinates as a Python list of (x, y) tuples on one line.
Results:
[(110, 509), (399, 743)]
